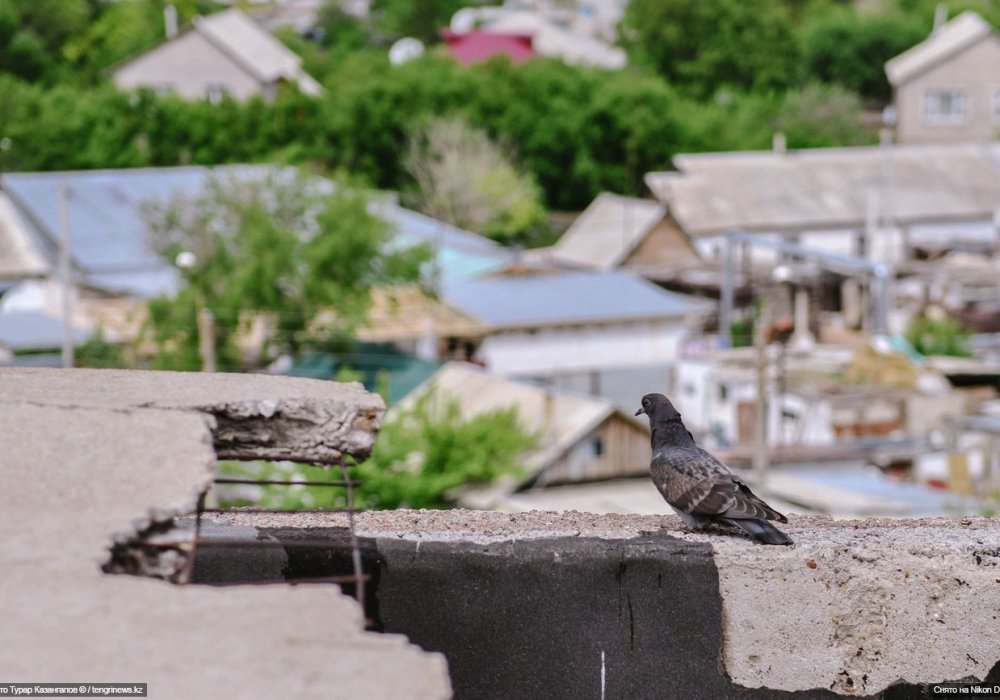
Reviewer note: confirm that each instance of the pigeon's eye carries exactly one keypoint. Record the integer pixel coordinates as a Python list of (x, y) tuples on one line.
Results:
[(645, 402)]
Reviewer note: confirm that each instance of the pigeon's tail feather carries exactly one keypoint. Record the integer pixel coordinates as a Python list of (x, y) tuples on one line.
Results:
[(762, 530)]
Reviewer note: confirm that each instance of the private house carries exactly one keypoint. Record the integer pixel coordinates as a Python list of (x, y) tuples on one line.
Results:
[(607, 333), (579, 438), (825, 396), (634, 234), (225, 54), (549, 36), (886, 204), (946, 89), (116, 269), (475, 46)]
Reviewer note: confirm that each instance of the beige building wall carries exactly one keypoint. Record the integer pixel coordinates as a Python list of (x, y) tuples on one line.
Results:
[(189, 66), (976, 72)]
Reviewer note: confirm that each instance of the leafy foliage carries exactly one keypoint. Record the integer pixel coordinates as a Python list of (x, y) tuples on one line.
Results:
[(422, 452), (930, 335), (465, 179), (706, 46), (271, 250), (850, 49)]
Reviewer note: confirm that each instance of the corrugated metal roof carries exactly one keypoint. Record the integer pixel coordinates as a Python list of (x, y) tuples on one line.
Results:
[(109, 238), (830, 188), (32, 330), (560, 419), (567, 298), (607, 231), (254, 48), (953, 37)]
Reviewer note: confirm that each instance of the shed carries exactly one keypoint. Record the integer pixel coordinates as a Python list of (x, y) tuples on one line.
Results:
[(580, 438)]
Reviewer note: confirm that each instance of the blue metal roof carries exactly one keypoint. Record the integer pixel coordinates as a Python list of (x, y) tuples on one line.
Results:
[(109, 239), (564, 298), (459, 254), (31, 330)]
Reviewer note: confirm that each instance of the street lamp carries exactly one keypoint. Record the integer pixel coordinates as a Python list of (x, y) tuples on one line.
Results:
[(187, 261)]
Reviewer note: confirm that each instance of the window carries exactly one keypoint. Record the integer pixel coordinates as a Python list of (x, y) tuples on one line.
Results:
[(944, 107), (598, 446), (215, 93)]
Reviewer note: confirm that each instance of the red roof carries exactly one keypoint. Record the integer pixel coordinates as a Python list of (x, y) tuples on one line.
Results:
[(472, 47)]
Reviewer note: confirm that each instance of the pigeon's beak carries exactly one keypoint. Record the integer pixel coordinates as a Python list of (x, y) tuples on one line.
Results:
[(640, 411)]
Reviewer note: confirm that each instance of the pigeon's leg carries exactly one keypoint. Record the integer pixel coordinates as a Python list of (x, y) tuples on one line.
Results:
[(693, 522)]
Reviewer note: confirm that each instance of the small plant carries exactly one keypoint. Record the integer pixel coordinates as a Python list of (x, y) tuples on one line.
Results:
[(938, 336)]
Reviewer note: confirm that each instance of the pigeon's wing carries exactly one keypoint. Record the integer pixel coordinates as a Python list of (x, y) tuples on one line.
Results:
[(748, 505), (698, 483), (693, 480)]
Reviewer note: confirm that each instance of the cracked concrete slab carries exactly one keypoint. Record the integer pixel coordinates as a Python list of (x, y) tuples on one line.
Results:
[(854, 607), (91, 458), (255, 416)]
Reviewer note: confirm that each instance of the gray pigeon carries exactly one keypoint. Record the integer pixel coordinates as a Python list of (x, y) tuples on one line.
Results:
[(700, 488)]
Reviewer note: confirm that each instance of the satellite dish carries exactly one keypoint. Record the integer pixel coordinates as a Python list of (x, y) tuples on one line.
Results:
[(406, 49)]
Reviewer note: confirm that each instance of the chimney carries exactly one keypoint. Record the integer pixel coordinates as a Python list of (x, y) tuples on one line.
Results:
[(940, 17), (170, 20), (778, 142)]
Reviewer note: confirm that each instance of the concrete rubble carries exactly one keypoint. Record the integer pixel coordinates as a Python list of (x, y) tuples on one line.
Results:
[(91, 458)]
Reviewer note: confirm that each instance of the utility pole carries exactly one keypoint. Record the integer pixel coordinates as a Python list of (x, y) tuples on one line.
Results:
[(65, 277), (760, 447)]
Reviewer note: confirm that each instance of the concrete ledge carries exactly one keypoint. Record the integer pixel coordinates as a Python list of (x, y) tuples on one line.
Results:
[(92, 458), (855, 608), (254, 416)]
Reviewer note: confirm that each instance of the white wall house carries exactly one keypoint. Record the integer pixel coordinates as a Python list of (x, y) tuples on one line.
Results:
[(607, 333), (946, 87), (880, 202), (223, 54)]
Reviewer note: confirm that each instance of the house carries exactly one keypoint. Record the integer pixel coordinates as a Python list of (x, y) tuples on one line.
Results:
[(549, 37), (579, 438), (607, 333), (883, 203), (225, 54), (114, 264), (945, 87), (615, 231), (825, 396), (475, 46)]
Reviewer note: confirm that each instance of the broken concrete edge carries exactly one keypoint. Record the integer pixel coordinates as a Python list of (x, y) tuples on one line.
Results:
[(256, 416), (855, 606), (246, 417)]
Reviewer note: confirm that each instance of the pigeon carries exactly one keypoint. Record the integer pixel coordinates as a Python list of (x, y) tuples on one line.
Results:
[(701, 489)]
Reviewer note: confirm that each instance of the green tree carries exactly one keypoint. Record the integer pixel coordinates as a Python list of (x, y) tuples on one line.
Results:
[(423, 20), (422, 453), (273, 250), (851, 49), (705, 46)]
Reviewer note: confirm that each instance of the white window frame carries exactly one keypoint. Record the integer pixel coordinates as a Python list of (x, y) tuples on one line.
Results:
[(946, 107), (215, 93)]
